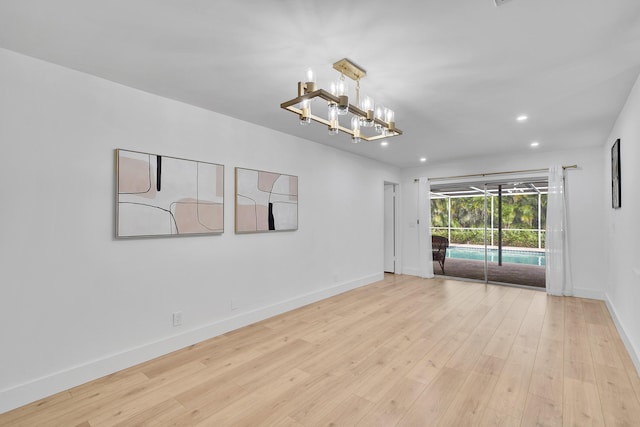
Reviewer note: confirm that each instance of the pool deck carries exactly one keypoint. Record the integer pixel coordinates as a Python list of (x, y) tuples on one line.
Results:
[(516, 274)]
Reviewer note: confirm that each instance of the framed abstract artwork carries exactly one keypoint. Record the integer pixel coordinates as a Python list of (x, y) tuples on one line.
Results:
[(167, 196), (616, 184), (265, 201)]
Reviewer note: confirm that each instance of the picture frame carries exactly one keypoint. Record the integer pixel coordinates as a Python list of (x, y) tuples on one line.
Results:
[(265, 201), (616, 181), (159, 196)]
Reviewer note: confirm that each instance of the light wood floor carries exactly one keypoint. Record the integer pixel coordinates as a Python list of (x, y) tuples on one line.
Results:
[(400, 352)]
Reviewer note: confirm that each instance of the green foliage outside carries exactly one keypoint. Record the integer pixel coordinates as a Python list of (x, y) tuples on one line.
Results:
[(514, 238), (519, 220)]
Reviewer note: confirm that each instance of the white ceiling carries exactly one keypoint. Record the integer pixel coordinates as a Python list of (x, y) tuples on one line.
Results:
[(457, 72)]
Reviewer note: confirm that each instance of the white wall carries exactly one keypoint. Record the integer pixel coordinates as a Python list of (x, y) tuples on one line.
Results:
[(584, 207), (621, 225), (77, 304)]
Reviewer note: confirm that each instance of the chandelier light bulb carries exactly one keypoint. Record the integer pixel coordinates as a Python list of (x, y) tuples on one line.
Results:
[(333, 119), (355, 127), (367, 105), (310, 80), (355, 123), (342, 92), (389, 115), (311, 76), (305, 115), (380, 116)]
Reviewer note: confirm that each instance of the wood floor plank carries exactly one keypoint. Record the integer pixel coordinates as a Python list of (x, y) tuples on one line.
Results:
[(601, 346), (489, 365), (496, 418), (393, 405), (43, 406), (451, 332), (348, 413), (467, 355), (431, 405), (157, 415), (374, 386), (154, 392), (470, 402), (287, 422), (78, 409), (544, 405), (531, 327), (296, 396), (401, 351), (576, 337), (502, 340), (593, 313), (581, 404), (324, 399), (510, 393), (553, 327), (620, 405), (156, 367), (548, 371), (258, 406), (261, 370), (541, 412)]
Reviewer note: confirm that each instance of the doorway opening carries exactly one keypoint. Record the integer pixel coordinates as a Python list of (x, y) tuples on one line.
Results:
[(495, 229)]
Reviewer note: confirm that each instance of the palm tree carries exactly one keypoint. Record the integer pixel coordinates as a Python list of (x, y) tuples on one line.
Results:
[(527, 214), (439, 212), (508, 214)]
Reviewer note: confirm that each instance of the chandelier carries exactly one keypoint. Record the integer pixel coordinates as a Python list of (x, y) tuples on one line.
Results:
[(369, 121)]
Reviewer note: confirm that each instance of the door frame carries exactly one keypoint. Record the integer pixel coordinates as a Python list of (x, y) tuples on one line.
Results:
[(396, 227)]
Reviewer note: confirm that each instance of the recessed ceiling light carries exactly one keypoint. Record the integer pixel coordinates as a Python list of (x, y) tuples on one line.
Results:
[(522, 118), (535, 144), (384, 143), (423, 159)]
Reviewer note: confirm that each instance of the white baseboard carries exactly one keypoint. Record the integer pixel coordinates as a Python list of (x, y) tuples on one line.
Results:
[(410, 271), (633, 352), (56, 382)]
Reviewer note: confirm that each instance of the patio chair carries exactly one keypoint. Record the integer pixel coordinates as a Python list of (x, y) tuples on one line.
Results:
[(439, 247)]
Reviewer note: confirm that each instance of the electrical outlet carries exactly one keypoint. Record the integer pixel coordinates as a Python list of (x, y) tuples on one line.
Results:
[(177, 318)]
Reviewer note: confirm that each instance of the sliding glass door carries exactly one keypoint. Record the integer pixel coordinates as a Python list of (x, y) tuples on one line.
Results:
[(515, 252), (458, 214), (495, 229)]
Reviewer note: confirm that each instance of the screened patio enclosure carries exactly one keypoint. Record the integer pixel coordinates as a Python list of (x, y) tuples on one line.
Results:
[(496, 230)]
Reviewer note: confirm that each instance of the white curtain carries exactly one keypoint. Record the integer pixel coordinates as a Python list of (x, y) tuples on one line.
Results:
[(558, 271), (424, 228)]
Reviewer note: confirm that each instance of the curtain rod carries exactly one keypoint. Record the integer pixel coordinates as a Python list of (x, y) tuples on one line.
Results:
[(481, 175)]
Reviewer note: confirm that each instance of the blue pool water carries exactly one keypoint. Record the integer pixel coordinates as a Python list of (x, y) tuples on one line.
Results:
[(508, 255)]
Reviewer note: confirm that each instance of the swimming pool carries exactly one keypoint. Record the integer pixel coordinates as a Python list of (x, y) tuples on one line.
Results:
[(508, 255)]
